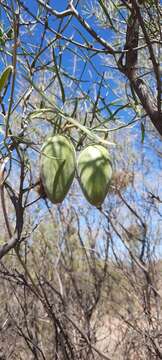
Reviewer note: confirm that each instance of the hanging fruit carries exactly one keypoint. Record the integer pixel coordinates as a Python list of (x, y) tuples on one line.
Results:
[(95, 171), (57, 167)]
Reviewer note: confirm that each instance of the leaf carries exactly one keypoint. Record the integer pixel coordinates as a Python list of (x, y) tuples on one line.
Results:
[(58, 76), (1, 131), (106, 12), (10, 34), (2, 42), (142, 133), (1, 31), (5, 76)]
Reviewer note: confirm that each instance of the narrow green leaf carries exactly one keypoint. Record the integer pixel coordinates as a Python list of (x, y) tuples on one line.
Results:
[(10, 34), (106, 12), (2, 42), (58, 76), (1, 31), (142, 133), (5, 76)]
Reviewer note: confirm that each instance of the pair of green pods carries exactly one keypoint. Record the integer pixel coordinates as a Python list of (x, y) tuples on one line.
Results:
[(58, 165)]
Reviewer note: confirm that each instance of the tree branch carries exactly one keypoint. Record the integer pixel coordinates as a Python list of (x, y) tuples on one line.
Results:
[(74, 12), (130, 68), (151, 51)]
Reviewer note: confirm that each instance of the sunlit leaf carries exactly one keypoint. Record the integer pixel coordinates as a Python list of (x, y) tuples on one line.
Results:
[(5, 76)]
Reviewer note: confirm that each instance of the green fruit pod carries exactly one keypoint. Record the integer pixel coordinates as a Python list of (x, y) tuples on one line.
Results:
[(95, 171), (57, 167)]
